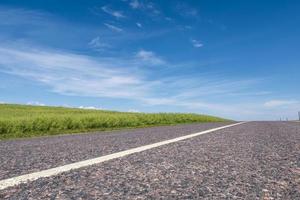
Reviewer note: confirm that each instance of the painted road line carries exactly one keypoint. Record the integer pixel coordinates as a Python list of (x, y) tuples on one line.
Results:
[(57, 170)]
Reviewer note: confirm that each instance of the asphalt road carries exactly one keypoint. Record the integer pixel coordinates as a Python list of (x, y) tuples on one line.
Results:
[(256, 160)]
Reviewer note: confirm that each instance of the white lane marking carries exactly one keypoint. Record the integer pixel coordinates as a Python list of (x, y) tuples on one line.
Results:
[(57, 170)]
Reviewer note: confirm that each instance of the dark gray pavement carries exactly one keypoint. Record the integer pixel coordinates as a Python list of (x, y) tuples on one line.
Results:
[(257, 160), (30, 155)]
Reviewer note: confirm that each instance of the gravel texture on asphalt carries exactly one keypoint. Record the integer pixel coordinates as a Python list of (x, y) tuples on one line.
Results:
[(30, 155), (257, 160)]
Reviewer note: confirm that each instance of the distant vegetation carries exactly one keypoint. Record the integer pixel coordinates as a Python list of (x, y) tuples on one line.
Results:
[(17, 121)]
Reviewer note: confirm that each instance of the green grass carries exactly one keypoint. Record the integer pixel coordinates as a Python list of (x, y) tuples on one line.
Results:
[(19, 121)]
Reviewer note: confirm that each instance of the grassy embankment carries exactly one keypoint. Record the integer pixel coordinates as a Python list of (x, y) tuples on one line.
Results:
[(18, 121)]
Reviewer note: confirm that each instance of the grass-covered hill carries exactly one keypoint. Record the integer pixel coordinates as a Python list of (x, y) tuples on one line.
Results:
[(17, 121)]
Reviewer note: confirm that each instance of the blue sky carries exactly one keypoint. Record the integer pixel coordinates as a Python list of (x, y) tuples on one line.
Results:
[(235, 59)]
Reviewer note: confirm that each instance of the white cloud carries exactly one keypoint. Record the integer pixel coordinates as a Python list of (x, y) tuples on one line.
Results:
[(118, 77), (97, 44), (186, 10), (278, 103), (147, 7), (90, 108), (196, 43), (35, 103), (113, 27), (139, 25), (133, 111), (135, 4), (116, 14), (72, 74), (150, 57), (152, 8), (17, 16)]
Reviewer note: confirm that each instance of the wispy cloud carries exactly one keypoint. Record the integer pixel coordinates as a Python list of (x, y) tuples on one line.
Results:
[(186, 10), (36, 103), (113, 27), (196, 43), (279, 103), (148, 7), (122, 78), (168, 19), (97, 44), (90, 108), (149, 56), (114, 13), (135, 4), (139, 25), (152, 8), (17, 16), (72, 74)]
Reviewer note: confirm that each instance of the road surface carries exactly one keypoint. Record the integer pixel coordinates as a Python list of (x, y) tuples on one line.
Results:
[(255, 160)]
